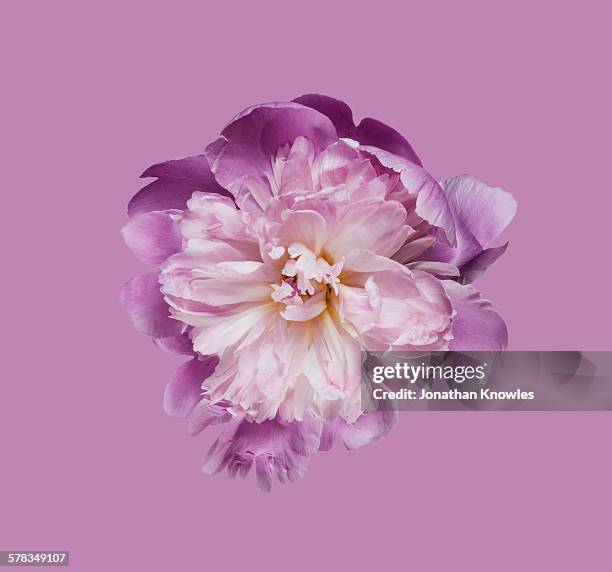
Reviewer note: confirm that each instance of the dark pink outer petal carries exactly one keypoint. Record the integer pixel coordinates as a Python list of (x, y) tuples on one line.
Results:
[(176, 181), (479, 264), (206, 414), (338, 111), (368, 132), (185, 388), (175, 344), (481, 213), (152, 236), (275, 447), (144, 302), (476, 326), (255, 136), (368, 428)]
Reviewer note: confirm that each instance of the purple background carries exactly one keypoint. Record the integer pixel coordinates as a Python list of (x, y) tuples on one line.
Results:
[(516, 94)]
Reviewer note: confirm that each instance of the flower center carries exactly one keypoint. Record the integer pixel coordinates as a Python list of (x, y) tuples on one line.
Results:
[(307, 278)]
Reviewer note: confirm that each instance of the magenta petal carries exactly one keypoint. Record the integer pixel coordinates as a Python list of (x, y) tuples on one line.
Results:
[(206, 414), (277, 448), (328, 434), (175, 344), (145, 304), (152, 236), (478, 265), (256, 135), (368, 132), (338, 111), (368, 428), (481, 213), (185, 388), (176, 181), (476, 325), (377, 134)]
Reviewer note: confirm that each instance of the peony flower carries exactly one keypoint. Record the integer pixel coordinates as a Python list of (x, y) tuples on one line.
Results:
[(296, 241)]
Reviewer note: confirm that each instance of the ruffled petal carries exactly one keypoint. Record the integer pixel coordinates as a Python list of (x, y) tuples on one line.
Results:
[(176, 181), (481, 213), (206, 414), (476, 325), (479, 264), (368, 428), (338, 111), (376, 225), (175, 344), (393, 307), (377, 134), (431, 202), (332, 366), (368, 132), (144, 302), (152, 236), (185, 388), (276, 448), (255, 136)]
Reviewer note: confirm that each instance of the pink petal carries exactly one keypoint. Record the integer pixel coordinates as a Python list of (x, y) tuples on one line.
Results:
[(371, 224), (481, 214), (185, 388), (305, 227), (206, 414), (368, 428), (310, 309), (176, 181), (175, 344), (256, 135), (479, 264), (276, 448), (476, 326), (145, 304), (152, 236), (338, 111), (368, 132), (431, 203)]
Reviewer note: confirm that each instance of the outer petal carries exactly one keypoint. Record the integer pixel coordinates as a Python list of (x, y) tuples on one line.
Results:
[(478, 265), (369, 224), (368, 132), (185, 388), (476, 325), (176, 181), (481, 213), (338, 111), (175, 345), (143, 300), (256, 135), (152, 236), (377, 134), (283, 449), (368, 428), (206, 414)]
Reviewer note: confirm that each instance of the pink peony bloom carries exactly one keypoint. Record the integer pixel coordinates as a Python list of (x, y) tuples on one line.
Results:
[(296, 241)]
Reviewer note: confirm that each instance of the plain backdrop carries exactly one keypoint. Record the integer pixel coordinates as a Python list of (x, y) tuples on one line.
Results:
[(515, 93)]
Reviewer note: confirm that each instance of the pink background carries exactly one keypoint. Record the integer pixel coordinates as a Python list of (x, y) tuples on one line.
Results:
[(517, 93)]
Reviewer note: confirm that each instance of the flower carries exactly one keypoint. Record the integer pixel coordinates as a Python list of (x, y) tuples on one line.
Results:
[(296, 241)]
